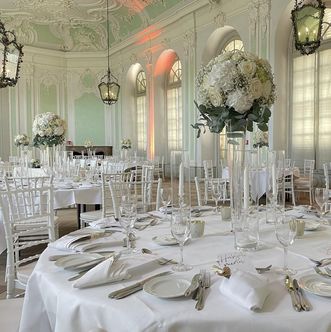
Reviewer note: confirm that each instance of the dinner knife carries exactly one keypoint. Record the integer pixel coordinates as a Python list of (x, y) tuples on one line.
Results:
[(135, 287), (306, 306), (295, 302)]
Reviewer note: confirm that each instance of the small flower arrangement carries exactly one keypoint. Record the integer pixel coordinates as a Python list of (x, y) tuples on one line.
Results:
[(260, 139), (48, 129), (235, 89), (35, 163), (21, 140), (126, 144), (88, 144)]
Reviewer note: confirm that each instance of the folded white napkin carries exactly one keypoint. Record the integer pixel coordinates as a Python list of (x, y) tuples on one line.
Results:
[(109, 271), (102, 223), (94, 241), (245, 289)]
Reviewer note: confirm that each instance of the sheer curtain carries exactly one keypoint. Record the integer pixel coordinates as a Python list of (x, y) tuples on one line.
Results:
[(310, 134)]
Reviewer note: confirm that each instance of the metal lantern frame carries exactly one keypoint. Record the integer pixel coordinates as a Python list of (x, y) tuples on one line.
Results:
[(8, 40), (307, 46), (109, 88)]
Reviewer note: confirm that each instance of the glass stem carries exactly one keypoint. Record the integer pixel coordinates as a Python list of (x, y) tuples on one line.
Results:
[(128, 239), (285, 259), (181, 246)]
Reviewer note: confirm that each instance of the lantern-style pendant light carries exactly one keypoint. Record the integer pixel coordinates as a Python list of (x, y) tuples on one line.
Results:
[(10, 57), (307, 18), (109, 88)]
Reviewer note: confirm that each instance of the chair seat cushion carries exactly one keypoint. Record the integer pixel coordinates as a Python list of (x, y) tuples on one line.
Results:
[(91, 215)]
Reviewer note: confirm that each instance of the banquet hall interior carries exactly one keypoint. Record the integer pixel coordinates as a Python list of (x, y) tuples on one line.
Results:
[(160, 157)]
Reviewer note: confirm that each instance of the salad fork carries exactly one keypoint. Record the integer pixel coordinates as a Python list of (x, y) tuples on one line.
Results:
[(205, 283)]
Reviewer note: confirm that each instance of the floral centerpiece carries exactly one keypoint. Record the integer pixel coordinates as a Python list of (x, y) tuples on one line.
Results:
[(260, 139), (21, 140), (235, 89), (48, 129), (126, 144), (88, 144)]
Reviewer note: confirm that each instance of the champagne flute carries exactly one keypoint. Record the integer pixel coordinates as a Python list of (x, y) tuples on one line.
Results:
[(321, 198), (180, 230), (217, 186), (128, 216), (285, 229)]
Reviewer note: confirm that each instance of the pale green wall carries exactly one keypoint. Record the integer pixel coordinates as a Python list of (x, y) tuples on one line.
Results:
[(89, 120), (48, 99)]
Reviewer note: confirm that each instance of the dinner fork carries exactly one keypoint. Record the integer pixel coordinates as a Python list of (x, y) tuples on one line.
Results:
[(205, 283)]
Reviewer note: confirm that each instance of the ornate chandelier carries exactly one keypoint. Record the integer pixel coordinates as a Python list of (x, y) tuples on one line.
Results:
[(109, 88), (10, 57), (307, 19)]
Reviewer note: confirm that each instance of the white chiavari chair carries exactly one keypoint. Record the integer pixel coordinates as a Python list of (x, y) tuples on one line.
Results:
[(28, 217), (305, 182)]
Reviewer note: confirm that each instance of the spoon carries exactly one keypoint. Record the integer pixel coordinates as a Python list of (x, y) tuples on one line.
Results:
[(161, 260), (322, 273), (152, 223), (263, 269)]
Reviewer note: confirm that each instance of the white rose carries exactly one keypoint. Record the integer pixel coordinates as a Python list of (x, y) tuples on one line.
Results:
[(256, 88), (239, 101), (58, 131), (248, 68), (215, 97)]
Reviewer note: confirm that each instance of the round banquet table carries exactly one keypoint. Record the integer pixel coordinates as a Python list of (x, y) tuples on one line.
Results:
[(52, 304)]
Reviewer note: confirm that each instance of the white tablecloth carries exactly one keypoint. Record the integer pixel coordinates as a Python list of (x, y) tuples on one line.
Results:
[(52, 304)]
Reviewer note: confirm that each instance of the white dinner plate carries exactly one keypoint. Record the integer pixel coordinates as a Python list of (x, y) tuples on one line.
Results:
[(311, 225), (167, 287), (75, 260), (165, 240), (316, 284)]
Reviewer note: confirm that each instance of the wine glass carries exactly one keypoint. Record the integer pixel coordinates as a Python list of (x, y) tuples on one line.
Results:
[(217, 186), (166, 200), (128, 216), (180, 229), (321, 198), (285, 229)]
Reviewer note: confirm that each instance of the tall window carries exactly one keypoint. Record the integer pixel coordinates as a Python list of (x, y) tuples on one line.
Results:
[(174, 107), (141, 111), (310, 118), (235, 44)]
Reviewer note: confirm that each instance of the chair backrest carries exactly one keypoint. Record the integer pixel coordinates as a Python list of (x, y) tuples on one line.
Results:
[(308, 167), (289, 163), (197, 188), (326, 176), (208, 169)]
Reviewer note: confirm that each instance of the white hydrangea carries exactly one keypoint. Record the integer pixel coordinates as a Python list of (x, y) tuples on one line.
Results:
[(240, 101)]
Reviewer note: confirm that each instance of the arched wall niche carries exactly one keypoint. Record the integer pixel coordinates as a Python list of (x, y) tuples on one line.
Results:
[(217, 41), (129, 129)]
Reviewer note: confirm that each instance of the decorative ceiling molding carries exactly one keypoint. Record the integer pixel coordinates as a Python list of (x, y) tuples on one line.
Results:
[(78, 24)]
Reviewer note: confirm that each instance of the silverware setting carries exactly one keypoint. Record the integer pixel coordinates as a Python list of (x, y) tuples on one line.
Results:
[(142, 227), (161, 260), (126, 291), (261, 270), (204, 283), (305, 305), (194, 285), (322, 262), (326, 273), (294, 296)]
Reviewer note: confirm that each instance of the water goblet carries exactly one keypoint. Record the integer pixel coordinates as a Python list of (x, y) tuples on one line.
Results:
[(180, 230), (166, 200), (285, 230), (321, 198), (128, 216)]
